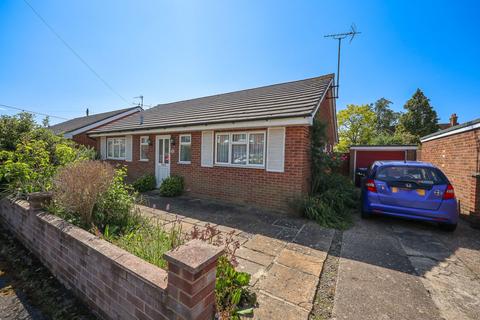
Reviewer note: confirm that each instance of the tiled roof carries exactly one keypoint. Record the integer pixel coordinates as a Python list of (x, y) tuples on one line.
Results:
[(80, 122), (284, 100)]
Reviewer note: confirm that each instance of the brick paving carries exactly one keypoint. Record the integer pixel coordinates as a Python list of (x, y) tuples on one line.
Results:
[(284, 255)]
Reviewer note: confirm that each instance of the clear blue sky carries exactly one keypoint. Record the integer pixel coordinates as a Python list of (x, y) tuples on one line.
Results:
[(175, 50)]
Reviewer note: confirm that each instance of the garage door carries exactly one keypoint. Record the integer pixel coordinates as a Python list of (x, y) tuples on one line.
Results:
[(366, 158)]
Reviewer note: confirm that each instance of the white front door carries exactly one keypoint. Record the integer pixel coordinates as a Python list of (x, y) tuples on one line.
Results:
[(162, 158)]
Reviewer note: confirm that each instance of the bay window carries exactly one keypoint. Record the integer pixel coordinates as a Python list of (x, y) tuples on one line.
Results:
[(240, 148), (185, 148), (116, 148)]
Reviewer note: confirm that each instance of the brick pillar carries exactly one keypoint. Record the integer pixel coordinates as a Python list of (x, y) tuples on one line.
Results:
[(191, 280)]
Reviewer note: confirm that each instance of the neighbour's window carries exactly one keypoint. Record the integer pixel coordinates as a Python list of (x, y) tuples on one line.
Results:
[(185, 148), (240, 148), (144, 143), (116, 148)]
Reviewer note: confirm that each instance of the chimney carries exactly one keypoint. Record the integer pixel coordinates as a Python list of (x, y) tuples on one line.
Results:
[(453, 120), (87, 112)]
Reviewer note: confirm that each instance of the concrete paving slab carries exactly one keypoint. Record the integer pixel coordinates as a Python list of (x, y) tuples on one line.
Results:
[(265, 244), (255, 256), (289, 284), (254, 269), (299, 261), (273, 308), (314, 236)]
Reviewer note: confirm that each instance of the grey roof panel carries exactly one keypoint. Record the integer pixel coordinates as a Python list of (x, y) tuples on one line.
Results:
[(284, 100), (80, 122), (459, 126)]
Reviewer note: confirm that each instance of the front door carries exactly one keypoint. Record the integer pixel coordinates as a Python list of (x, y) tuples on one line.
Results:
[(162, 168)]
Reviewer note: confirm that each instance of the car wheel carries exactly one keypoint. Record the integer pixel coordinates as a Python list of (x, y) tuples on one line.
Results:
[(448, 227)]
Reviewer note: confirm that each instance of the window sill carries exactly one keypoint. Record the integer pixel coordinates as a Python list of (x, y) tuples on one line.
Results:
[(143, 160), (239, 166), (117, 159), (184, 162)]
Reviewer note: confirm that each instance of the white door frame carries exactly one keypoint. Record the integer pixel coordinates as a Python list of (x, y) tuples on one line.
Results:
[(157, 138)]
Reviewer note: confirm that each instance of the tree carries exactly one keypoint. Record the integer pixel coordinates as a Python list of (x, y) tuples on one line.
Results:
[(356, 126), (46, 122), (12, 128), (387, 119), (420, 119)]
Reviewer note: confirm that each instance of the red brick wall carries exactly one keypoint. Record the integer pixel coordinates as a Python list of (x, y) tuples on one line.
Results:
[(82, 138), (114, 283), (458, 157), (252, 186)]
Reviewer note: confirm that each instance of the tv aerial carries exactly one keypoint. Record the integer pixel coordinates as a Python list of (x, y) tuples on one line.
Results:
[(340, 36)]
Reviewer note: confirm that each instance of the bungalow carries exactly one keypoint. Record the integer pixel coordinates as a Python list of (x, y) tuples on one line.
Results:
[(250, 146), (77, 128)]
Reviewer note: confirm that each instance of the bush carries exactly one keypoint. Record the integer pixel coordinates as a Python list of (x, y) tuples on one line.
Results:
[(333, 196), (172, 186), (145, 183), (78, 187), (116, 206)]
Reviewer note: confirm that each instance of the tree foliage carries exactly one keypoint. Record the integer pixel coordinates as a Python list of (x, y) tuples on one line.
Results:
[(420, 119), (30, 155), (356, 125), (386, 118)]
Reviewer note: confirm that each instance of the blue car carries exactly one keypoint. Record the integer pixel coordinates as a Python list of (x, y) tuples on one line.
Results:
[(410, 189)]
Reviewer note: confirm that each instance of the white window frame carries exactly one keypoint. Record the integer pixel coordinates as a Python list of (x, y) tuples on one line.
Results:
[(247, 165), (117, 139), (180, 143), (147, 143)]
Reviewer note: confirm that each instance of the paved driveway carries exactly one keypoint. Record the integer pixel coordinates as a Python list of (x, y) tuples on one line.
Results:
[(379, 269), (394, 269), (284, 255)]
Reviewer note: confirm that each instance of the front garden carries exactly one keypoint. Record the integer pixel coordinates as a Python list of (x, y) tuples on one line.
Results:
[(93, 195)]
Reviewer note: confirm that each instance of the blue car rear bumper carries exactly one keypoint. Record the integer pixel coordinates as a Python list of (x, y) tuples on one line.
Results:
[(447, 213)]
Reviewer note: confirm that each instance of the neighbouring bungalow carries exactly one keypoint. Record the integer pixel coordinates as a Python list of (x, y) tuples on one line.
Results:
[(250, 147), (77, 128)]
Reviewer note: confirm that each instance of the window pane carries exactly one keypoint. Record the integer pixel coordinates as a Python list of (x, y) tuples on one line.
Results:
[(222, 148), (116, 150), (167, 151), (110, 148), (143, 152), (122, 148), (143, 140), (256, 143), (239, 154), (185, 139), (239, 137), (185, 152), (160, 151)]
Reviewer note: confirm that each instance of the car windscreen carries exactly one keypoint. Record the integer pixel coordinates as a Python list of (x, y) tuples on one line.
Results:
[(422, 176)]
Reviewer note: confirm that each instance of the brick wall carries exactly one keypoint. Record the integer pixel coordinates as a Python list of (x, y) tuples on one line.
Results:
[(84, 139), (458, 156), (251, 186), (114, 283)]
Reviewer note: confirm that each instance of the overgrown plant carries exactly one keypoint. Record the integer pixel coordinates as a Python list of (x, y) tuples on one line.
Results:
[(333, 196), (233, 295), (79, 186)]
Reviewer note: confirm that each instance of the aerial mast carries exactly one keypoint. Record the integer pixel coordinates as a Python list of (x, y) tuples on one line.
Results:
[(340, 36)]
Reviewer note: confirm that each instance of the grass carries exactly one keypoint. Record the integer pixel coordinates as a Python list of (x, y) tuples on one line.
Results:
[(148, 241)]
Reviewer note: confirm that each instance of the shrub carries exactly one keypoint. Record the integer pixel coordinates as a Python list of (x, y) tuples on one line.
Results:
[(333, 196), (172, 186), (233, 297), (116, 206), (78, 187), (145, 183)]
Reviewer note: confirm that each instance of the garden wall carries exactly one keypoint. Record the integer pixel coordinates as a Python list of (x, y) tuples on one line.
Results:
[(114, 283)]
